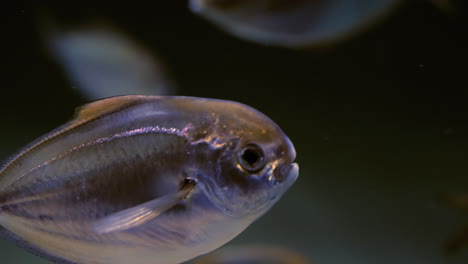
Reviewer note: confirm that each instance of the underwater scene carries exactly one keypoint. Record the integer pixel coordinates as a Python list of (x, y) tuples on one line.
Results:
[(234, 132)]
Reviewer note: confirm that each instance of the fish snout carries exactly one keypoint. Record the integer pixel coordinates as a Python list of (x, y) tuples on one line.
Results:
[(286, 172), (287, 168)]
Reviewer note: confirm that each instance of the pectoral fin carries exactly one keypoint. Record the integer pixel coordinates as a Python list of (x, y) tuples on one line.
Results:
[(142, 213)]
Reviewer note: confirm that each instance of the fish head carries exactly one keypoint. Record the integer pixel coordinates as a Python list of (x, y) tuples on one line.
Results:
[(252, 160)]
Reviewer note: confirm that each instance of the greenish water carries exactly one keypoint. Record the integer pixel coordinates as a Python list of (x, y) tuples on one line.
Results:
[(379, 121)]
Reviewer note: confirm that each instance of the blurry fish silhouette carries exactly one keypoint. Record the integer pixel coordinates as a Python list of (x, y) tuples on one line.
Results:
[(252, 254), (459, 240), (102, 62), (447, 6), (291, 23), (145, 179)]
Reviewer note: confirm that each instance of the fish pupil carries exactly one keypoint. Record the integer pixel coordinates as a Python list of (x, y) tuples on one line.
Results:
[(251, 158)]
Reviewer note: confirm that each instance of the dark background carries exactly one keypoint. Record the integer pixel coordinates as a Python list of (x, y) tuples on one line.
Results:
[(379, 120)]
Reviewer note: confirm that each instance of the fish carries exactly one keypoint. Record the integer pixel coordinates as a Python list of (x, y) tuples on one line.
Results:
[(291, 23), (253, 254), (447, 6), (101, 61), (145, 179), (459, 240)]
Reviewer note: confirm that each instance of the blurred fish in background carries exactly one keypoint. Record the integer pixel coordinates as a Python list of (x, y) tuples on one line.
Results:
[(459, 240), (252, 254), (448, 6), (291, 23), (100, 62)]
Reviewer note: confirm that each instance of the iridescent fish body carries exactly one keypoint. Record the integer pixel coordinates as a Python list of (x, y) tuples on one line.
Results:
[(145, 179)]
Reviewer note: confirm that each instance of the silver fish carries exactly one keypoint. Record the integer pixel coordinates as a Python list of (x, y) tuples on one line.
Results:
[(291, 23), (145, 179)]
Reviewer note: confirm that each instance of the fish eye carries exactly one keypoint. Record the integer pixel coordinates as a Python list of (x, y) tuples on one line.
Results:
[(251, 158)]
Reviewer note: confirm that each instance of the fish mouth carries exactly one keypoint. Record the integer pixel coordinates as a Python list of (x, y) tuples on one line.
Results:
[(293, 173), (286, 175)]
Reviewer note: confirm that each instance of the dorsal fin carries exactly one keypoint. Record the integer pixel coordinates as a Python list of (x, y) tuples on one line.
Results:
[(105, 106)]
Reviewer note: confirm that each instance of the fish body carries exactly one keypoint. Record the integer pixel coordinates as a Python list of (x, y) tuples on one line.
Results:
[(102, 62), (145, 179), (253, 254), (459, 240), (291, 23)]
